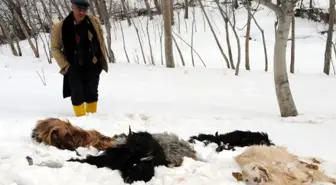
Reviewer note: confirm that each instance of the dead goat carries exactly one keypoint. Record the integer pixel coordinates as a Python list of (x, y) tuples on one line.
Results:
[(135, 157), (263, 165), (233, 139)]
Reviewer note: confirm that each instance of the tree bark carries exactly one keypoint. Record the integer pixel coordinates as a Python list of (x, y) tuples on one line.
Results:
[(327, 53), (125, 9), (47, 13), (214, 34), (22, 24), (167, 21), (149, 10), (104, 12), (292, 62), (158, 6), (247, 39), (264, 41), (284, 96), (8, 36), (186, 9), (97, 5), (226, 23), (58, 10)]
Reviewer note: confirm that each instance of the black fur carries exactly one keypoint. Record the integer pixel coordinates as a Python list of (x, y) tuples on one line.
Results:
[(233, 139), (135, 159)]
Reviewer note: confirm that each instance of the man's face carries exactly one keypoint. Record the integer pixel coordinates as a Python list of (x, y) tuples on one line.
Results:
[(79, 12)]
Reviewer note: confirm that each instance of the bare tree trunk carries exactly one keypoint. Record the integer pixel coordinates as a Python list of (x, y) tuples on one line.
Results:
[(179, 22), (8, 36), (158, 6), (233, 27), (92, 10), (226, 21), (60, 16), (228, 43), (46, 47), (186, 9), (34, 30), (139, 39), (247, 39), (68, 8), (284, 96), (160, 37), (327, 53), (15, 9), (167, 20), (148, 9), (171, 3), (292, 62), (125, 9), (103, 10), (25, 31), (192, 37), (214, 34), (191, 48), (17, 41), (97, 5), (179, 52), (275, 27), (332, 63), (46, 12), (264, 42), (123, 38), (152, 61), (65, 11)]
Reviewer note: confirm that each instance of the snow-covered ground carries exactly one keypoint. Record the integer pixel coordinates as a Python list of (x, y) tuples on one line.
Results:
[(183, 100)]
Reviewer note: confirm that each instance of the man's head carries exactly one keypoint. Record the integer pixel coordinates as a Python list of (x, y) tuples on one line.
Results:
[(79, 8)]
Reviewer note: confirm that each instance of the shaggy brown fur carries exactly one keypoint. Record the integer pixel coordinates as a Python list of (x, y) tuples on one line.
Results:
[(64, 135), (264, 165)]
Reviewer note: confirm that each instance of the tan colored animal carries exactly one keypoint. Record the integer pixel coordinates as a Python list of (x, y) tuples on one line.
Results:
[(64, 135), (272, 165)]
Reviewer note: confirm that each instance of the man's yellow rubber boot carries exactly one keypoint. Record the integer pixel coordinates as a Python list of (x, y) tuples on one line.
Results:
[(79, 110), (91, 107)]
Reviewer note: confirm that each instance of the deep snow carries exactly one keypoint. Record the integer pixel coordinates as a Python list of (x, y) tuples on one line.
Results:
[(183, 100)]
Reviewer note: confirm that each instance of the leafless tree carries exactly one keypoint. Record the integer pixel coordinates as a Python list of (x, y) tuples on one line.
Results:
[(179, 51), (6, 32), (284, 12), (125, 9), (123, 38), (167, 21), (214, 34), (327, 53), (149, 43), (106, 18), (292, 61), (226, 23), (192, 37), (264, 41), (23, 24), (248, 35), (193, 49), (186, 9), (149, 9)]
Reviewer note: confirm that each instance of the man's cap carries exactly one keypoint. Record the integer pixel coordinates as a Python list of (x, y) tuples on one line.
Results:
[(81, 3)]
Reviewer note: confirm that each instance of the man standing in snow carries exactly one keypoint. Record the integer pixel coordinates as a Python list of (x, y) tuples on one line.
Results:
[(79, 49)]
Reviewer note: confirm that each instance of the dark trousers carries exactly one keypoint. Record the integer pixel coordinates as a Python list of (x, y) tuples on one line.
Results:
[(83, 82)]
